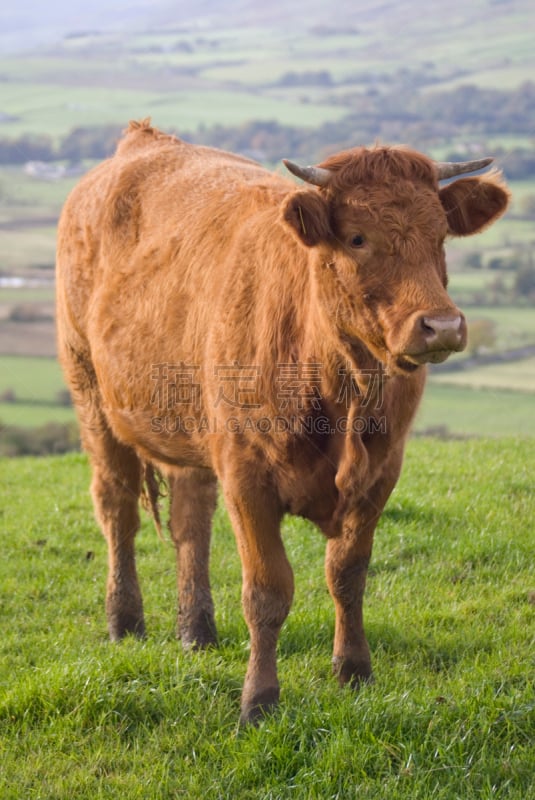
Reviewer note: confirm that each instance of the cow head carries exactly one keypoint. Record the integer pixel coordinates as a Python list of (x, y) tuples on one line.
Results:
[(378, 225)]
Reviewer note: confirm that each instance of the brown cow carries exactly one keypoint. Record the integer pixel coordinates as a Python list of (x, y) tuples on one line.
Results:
[(218, 323)]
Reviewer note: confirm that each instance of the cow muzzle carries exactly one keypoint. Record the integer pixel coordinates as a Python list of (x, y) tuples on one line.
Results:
[(432, 339)]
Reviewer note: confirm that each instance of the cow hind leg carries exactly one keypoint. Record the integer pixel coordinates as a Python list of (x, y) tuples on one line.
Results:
[(115, 488), (193, 501)]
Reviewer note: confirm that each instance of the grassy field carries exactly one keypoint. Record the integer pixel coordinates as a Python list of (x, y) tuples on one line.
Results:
[(56, 109), (39, 294), (514, 375), (226, 67), (449, 616), (476, 280), (25, 251), (36, 383), (32, 379), (32, 415), (462, 410), (514, 326)]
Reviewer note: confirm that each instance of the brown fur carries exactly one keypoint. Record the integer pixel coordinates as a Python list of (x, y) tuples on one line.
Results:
[(193, 285)]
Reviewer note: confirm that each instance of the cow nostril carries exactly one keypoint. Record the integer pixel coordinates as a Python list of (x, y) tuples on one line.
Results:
[(427, 328), (442, 332)]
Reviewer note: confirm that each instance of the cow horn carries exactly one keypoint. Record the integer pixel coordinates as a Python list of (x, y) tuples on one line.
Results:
[(449, 169), (315, 175)]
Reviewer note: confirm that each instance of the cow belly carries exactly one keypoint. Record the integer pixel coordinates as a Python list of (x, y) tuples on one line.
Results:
[(160, 439)]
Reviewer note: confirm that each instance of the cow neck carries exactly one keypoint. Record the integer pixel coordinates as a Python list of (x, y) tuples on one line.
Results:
[(352, 388), (343, 360)]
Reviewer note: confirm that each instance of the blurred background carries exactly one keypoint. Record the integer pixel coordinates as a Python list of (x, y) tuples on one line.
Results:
[(270, 80)]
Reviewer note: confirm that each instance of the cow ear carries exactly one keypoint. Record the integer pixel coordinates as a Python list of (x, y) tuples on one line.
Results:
[(307, 214), (471, 204)]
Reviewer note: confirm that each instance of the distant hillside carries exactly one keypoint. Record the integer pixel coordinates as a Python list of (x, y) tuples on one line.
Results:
[(24, 26)]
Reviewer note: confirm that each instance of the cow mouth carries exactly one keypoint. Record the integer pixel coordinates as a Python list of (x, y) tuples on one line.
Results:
[(406, 366), (410, 362)]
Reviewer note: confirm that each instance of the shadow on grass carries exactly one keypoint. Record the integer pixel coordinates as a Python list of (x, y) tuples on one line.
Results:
[(433, 651), (407, 514)]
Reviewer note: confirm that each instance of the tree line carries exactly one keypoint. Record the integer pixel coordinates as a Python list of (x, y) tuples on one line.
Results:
[(94, 142), (398, 113)]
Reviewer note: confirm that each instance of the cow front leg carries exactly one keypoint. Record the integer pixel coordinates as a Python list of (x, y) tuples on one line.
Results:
[(193, 502), (346, 568), (267, 594)]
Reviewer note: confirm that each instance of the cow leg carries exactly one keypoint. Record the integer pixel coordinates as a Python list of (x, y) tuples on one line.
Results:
[(267, 593), (346, 568), (115, 488), (193, 501)]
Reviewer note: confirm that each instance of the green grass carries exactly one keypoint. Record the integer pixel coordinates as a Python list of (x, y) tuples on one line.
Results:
[(476, 412), (25, 248), (55, 110), (27, 415), (507, 232), (36, 383), (514, 326), (38, 294), (32, 379), (448, 616), (27, 196), (474, 280), (517, 376)]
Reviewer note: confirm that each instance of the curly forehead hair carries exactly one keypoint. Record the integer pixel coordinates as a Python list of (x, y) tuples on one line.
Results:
[(362, 165)]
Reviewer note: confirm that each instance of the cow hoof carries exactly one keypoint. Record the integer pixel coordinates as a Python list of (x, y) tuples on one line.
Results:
[(198, 640), (352, 673), (198, 635), (254, 710), (119, 627)]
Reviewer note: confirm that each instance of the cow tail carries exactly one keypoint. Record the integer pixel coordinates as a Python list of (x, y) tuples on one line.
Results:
[(154, 488)]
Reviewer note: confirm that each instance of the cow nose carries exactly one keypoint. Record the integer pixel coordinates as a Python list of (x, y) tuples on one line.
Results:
[(444, 333)]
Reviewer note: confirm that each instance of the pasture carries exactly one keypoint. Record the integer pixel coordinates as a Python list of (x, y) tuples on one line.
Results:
[(516, 375), (34, 380), (33, 415), (233, 66), (449, 616), (461, 410)]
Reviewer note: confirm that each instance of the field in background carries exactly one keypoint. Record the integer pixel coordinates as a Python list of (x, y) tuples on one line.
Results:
[(228, 67), (31, 379), (518, 376), (282, 63), (464, 411)]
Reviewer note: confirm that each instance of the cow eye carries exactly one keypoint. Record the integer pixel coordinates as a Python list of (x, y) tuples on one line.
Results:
[(358, 241)]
